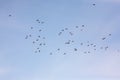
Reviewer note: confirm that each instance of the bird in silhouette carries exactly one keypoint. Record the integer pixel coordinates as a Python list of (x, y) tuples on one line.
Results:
[(83, 26), (33, 42), (38, 36), (26, 37), (58, 49), (81, 43), (37, 39), (59, 33), (51, 53), (75, 49), (71, 33), (64, 53), (93, 4), (66, 28), (30, 35), (103, 38), (76, 26), (9, 15), (106, 47), (31, 27), (109, 34)]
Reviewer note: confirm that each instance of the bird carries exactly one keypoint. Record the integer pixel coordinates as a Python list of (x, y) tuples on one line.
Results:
[(59, 33), (26, 37), (82, 25), (40, 44), (64, 53), (71, 33), (67, 42), (35, 51), (75, 49), (30, 35), (58, 49), (31, 27), (38, 48), (42, 22), (43, 37), (39, 36), (103, 38), (51, 53), (106, 47), (94, 4), (110, 34), (66, 28), (37, 19), (81, 43), (33, 42), (9, 15), (62, 30), (37, 39), (76, 26)]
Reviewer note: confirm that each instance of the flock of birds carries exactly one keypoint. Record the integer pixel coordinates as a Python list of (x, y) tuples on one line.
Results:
[(40, 41)]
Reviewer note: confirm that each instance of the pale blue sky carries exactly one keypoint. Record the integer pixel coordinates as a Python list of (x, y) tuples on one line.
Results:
[(18, 60)]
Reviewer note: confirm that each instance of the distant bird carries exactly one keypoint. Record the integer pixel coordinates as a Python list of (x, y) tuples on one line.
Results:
[(58, 49), (106, 47), (37, 20), (37, 39), (72, 41), (39, 50), (83, 26), (88, 45), (75, 49), (81, 43), (81, 30), (43, 37), (31, 27), (40, 44), (88, 51), (33, 42), (51, 53), (101, 47), (93, 4), (9, 15), (76, 26), (71, 33), (64, 53), (40, 30), (103, 38), (26, 37), (91, 44), (30, 35), (59, 33), (67, 42), (66, 28), (42, 22), (35, 51), (62, 30), (94, 46), (109, 34), (44, 44), (39, 36)]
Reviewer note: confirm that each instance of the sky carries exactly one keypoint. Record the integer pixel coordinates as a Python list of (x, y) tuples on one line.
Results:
[(20, 59)]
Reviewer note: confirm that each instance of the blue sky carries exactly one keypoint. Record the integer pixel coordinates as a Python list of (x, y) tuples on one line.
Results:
[(18, 60)]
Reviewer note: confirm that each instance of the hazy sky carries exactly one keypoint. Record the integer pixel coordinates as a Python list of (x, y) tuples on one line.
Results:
[(18, 60)]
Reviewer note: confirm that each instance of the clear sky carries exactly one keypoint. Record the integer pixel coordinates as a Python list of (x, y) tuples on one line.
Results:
[(80, 60)]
